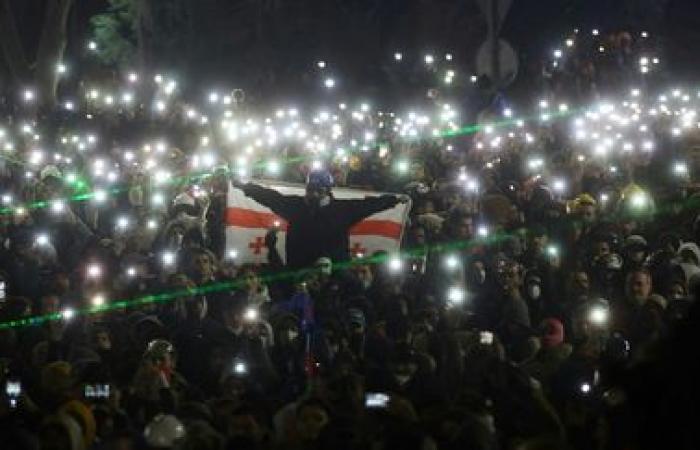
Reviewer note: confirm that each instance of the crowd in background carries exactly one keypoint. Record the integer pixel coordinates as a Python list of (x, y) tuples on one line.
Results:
[(521, 315)]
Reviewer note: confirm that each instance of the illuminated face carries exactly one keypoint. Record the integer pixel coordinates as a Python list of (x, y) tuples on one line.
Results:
[(639, 287), (464, 229)]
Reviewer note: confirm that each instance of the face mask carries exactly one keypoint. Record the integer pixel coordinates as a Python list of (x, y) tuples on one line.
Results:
[(534, 291), (402, 379)]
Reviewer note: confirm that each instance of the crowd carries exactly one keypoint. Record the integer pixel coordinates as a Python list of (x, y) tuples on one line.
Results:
[(544, 280)]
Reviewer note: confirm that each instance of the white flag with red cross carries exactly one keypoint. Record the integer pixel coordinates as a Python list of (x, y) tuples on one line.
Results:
[(247, 223)]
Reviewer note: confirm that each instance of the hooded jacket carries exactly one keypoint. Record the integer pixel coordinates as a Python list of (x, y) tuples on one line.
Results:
[(314, 232)]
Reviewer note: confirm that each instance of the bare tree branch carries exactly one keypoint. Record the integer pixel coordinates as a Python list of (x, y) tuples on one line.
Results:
[(12, 48)]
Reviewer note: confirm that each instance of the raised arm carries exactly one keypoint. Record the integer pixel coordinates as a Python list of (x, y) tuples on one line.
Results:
[(356, 210), (281, 205)]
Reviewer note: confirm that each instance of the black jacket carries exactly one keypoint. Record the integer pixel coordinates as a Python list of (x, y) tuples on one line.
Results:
[(314, 232)]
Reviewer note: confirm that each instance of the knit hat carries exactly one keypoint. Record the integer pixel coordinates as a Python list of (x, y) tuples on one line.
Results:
[(552, 332)]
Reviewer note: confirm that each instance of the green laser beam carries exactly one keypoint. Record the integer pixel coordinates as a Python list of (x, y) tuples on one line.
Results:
[(261, 163), (267, 278)]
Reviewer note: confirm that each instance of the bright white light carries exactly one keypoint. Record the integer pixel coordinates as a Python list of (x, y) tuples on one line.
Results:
[(61, 68), (482, 231), (57, 206), (98, 300), (598, 315), (6, 199), (329, 83), (68, 314), (28, 95), (133, 77), (680, 169), (585, 388), (429, 59), (569, 42), (240, 368), (321, 64), (232, 254), (99, 196), (558, 53), (402, 166), (123, 222), (168, 258), (92, 45), (251, 314), (559, 185), (451, 262), (398, 56), (151, 224), (273, 167), (395, 264), (455, 295), (42, 239), (131, 271)]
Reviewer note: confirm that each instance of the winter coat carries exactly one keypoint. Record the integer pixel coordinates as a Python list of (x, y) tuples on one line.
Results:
[(312, 231)]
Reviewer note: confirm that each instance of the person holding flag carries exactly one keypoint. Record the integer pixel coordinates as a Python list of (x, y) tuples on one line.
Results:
[(318, 223)]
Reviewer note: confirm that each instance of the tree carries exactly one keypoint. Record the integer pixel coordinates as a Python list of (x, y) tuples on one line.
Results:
[(116, 33), (41, 71)]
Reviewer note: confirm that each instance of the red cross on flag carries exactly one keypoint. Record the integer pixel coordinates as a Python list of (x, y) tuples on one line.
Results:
[(247, 222)]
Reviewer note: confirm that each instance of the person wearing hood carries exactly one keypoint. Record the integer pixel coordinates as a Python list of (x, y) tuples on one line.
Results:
[(689, 259), (318, 223)]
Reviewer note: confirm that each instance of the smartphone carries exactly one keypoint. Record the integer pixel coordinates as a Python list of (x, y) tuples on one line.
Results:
[(97, 391), (13, 389), (2, 290), (486, 338), (375, 400)]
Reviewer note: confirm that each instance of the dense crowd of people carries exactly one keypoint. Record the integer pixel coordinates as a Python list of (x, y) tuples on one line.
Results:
[(527, 309)]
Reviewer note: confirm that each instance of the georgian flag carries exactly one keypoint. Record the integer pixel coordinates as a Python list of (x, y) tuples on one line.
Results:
[(247, 223)]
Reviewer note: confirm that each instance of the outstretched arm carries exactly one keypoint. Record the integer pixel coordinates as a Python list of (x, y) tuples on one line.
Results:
[(281, 205), (356, 210)]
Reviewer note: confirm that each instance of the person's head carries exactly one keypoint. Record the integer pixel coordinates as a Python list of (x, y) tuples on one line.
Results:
[(101, 339), (510, 275), (318, 187), (676, 290), (161, 354), (635, 249), (462, 226), (251, 281), (364, 275), (601, 250), (538, 240), (202, 265), (638, 286), (579, 285), (312, 416)]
